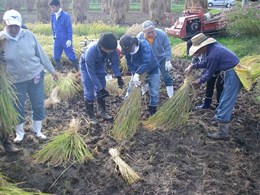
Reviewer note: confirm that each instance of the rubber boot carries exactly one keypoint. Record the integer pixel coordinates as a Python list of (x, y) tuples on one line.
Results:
[(102, 109), (205, 105), (58, 64), (90, 112), (37, 127), (152, 110), (9, 148), (76, 65), (170, 91), (19, 133), (222, 133)]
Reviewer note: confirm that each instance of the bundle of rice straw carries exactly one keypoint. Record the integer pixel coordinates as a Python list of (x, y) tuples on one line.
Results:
[(174, 113), (134, 29), (126, 171), (126, 120), (113, 88), (180, 50), (64, 148), (7, 188), (9, 117)]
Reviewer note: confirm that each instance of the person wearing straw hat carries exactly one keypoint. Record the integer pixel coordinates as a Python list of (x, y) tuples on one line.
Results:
[(141, 59), (216, 57), (25, 63), (160, 43)]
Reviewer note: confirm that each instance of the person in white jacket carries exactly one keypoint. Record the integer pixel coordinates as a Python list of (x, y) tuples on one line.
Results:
[(25, 63)]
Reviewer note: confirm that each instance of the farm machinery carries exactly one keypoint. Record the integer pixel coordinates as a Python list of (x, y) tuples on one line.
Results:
[(194, 20)]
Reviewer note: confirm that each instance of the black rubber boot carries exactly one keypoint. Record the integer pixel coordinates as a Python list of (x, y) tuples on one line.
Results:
[(90, 112), (58, 64), (102, 109), (205, 105), (76, 65), (152, 110), (222, 133), (9, 148)]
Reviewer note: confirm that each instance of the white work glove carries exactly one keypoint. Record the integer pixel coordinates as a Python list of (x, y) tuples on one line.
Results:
[(168, 65), (68, 43), (136, 80)]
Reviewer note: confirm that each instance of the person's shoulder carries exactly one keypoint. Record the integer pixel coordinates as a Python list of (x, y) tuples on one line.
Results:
[(65, 13), (140, 35)]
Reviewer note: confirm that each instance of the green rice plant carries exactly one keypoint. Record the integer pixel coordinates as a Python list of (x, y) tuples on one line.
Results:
[(9, 117), (68, 147), (174, 113), (7, 188), (126, 120)]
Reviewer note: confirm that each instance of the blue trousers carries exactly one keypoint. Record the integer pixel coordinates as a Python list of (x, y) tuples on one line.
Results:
[(167, 78), (153, 81), (35, 90), (59, 47), (231, 89)]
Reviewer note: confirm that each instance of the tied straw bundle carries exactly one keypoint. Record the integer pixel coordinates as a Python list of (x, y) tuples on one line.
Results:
[(64, 148), (174, 113), (126, 171), (7, 188), (9, 117), (126, 120)]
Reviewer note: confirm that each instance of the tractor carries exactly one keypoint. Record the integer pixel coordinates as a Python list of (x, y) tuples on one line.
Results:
[(194, 20)]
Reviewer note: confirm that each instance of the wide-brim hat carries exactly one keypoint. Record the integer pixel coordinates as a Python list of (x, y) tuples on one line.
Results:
[(199, 41)]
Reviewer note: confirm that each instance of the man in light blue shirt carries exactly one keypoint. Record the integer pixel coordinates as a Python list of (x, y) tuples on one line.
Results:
[(162, 49)]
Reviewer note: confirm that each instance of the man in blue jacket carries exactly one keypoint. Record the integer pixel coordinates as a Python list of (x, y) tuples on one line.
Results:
[(216, 57), (62, 34), (162, 49), (93, 72), (141, 59)]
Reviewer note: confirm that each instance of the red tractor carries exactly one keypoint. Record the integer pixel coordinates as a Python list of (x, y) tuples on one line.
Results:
[(194, 21)]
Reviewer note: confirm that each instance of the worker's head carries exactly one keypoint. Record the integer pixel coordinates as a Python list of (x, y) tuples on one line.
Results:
[(128, 44), (54, 5), (148, 29), (13, 22), (108, 42), (199, 44)]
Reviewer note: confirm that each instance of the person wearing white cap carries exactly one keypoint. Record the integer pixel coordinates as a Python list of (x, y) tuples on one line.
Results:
[(160, 43), (25, 63), (216, 57)]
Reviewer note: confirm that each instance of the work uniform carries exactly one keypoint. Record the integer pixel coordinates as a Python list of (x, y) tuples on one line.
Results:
[(145, 61)]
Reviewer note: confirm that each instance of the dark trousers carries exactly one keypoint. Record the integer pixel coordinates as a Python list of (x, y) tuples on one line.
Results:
[(218, 80)]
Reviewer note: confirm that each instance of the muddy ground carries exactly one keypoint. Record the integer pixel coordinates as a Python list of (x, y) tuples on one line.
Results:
[(181, 161)]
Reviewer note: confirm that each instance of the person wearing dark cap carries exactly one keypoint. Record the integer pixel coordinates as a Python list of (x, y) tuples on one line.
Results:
[(92, 67), (160, 43), (216, 57), (62, 34), (141, 59)]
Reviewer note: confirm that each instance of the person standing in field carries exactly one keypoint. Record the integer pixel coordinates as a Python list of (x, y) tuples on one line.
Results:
[(25, 63), (217, 58), (93, 73), (62, 34), (162, 49)]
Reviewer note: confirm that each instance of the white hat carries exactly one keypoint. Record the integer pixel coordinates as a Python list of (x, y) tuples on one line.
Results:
[(147, 25), (199, 41), (12, 17)]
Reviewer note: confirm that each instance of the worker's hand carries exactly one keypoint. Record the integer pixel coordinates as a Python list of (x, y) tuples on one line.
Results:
[(188, 70), (68, 43), (120, 82), (55, 76), (168, 65), (196, 83), (136, 80), (103, 93)]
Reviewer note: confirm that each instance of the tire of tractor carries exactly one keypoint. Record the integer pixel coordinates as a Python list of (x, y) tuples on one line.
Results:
[(210, 4)]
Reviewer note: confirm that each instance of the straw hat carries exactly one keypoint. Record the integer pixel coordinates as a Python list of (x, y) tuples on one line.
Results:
[(199, 41)]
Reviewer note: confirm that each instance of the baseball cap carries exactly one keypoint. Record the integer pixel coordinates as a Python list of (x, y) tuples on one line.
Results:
[(126, 42), (12, 17), (147, 25)]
